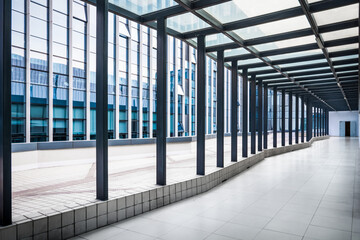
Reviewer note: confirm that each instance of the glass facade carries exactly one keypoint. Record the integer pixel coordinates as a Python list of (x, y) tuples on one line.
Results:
[(54, 77)]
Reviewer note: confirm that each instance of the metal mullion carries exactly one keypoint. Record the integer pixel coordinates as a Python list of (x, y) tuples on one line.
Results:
[(117, 78)]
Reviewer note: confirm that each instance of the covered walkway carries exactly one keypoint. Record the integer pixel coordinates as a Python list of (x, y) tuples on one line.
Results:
[(307, 194)]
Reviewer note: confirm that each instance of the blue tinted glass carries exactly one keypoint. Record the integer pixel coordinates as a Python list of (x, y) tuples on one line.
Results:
[(39, 94), (61, 94), (17, 57), (18, 74), (79, 83), (79, 11), (61, 81), (38, 77), (78, 40), (42, 2), (18, 89), (79, 96), (38, 61), (60, 65)]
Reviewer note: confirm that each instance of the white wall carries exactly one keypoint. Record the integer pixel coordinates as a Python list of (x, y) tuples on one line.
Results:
[(336, 117)]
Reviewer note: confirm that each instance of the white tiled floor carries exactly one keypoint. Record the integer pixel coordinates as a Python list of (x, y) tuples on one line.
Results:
[(308, 194)]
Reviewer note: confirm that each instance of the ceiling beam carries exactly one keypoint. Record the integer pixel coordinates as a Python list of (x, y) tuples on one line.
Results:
[(271, 17), (300, 48), (287, 35), (322, 44)]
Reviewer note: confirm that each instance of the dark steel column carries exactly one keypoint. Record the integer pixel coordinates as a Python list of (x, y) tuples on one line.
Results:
[(260, 115), (297, 119), (314, 118), (253, 113), (319, 122), (234, 110), (290, 118), (102, 100), (161, 103), (245, 114), (5, 113), (265, 116), (275, 118), (220, 110), (309, 119), (201, 108), (302, 123), (283, 95)]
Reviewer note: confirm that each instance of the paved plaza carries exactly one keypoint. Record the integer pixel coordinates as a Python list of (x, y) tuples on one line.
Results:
[(307, 194)]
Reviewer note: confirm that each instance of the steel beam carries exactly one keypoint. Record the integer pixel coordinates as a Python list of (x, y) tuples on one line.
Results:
[(5, 113), (283, 95), (260, 115), (234, 110), (265, 116), (161, 104), (297, 118), (201, 108), (253, 113), (245, 115), (275, 118), (102, 100), (290, 118), (220, 110)]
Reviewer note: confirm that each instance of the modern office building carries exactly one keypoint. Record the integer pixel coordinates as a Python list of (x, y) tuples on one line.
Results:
[(233, 81)]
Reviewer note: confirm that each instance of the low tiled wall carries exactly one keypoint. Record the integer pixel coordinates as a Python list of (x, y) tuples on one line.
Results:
[(82, 218)]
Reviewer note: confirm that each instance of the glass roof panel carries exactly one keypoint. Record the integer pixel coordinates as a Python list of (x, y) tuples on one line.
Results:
[(344, 57), (286, 43), (295, 54), (261, 69), (345, 33), (235, 52), (302, 63), (186, 23), (312, 69), (287, 25), (141, 7), (249, 61), (241, 9), (337, 14), (343, 47), (216, 39)]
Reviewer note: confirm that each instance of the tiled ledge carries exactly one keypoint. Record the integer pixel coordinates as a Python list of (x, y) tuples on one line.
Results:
[(65, 223)]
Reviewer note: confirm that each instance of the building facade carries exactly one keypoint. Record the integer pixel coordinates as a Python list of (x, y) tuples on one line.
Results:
[(54, 77)]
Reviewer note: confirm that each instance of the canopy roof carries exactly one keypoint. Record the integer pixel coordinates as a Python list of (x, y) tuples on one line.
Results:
[(309, 47)]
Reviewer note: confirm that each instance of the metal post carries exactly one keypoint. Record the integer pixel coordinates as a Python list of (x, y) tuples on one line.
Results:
[(283, 95), (220, 110), (319, 121), (275, 118), (245, 115), (201, 110), (5, 113), (161, 102), (102, 100), (297, 119), (302, 119), (315, 122), (290, 118), (253, 113), (234, 109), (265, 116), (260, 114), (309, 118)]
